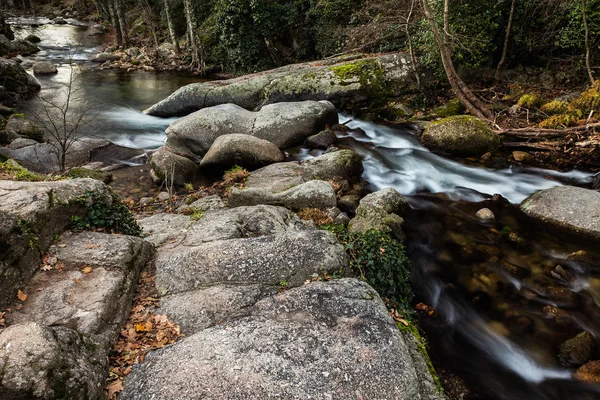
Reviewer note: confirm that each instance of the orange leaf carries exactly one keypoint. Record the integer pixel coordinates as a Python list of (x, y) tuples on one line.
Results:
[(140, 328), (86, 270), (114, 388), (91, 246), (21, 296)]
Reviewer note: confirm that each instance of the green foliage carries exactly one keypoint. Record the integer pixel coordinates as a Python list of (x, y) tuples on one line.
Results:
[(576, 110), (529, 100), (453, 107), (189, 187), (28, 231), (381, 261), (196, 215), (555, 107), (17, 172), (108, 216)]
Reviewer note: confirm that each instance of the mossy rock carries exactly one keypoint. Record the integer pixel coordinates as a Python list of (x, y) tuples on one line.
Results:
[(451, 108), (102, 176), (461, 135), (33, 38)]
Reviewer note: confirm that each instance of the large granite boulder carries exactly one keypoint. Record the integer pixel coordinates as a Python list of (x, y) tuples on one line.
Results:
[(242, 150), (284, 124), (323, 340), (339, 80), (44, 68), (566, 207), (460, 135)]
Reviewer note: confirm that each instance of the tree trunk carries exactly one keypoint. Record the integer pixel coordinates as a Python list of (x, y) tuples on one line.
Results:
[(122, 21), (114, 21), (190, 17), (462, 91), (506, 40), (171, 27), (413, 59), (587, 43)]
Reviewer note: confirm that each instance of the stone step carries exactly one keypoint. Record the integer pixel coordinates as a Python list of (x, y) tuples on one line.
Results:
[(72, 316)]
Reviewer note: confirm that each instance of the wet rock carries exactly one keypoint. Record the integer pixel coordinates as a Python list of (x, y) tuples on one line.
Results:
[(321, 140), (566, 207), (104, 57), (24, 47), (342, 164), (283, 124), (562, 318), (561, 296), (514, 270), (485, 216), (292, 83), (19, 143), (44, 68), (462, 135), (349, 203), (589, 373), (18, 84), (381, 211), (522, 157), (172, 168), (311, 194), (243, 150), (339, 321), (578, 350), (59, 21), (17, 126)]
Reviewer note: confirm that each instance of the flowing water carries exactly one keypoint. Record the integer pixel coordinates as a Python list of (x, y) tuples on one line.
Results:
[(493, 290)]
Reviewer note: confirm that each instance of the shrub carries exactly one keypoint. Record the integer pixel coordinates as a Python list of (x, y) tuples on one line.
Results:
[(380, 260), (106, 216)]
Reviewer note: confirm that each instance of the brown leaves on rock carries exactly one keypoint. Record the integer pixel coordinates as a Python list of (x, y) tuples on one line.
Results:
[(2, 320), (144, 331), (316, 215), (21, 296)]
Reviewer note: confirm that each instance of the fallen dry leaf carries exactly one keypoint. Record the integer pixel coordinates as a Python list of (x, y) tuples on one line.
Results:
[(21, 296), (47, 267), (86, 270), (114, 388), (62, 245), (91, 246)]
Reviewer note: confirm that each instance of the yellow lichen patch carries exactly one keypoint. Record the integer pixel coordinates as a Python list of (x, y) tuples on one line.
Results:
[(530, 100), (577, 111), (555, 107)]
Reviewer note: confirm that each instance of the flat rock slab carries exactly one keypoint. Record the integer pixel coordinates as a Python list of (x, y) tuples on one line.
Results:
[(31, 214), (93, 293), (292, 256), (324, 340), (311, 194), (567, 207)]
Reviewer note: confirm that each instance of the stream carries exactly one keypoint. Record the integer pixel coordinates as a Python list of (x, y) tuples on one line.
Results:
[(491, 288)]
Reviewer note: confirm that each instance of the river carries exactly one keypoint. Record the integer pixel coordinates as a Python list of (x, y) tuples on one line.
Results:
[(488, 286)]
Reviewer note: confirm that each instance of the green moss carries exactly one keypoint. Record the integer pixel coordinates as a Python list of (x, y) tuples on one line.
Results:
[(555, 107), (28, 230), (17, 172), (453, 107), (368, 73), (529, 100), (90, 173), (575, 112), (196, 215), (423, 349)]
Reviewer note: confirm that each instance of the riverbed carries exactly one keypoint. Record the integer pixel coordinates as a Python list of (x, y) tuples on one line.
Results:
[(487, 286)]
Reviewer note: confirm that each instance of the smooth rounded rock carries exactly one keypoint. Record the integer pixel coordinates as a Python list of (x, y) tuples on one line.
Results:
[(172, 168), (485, 216), (44, 68), (461, 135), (242, 150)]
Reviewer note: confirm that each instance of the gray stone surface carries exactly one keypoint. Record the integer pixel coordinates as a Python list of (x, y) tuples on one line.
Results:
[(103, 57), (381, 211), (31, 214), (18, 84), (283, 124), (341, 164), (171, 168), (311, 194), (19, 143), (207, 203), (242, 150), (321, 140), (298, 82), (567, 207), (287, 256), (50, 363), (44, 68), (94, 302), (323, 340), (161, 228)]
